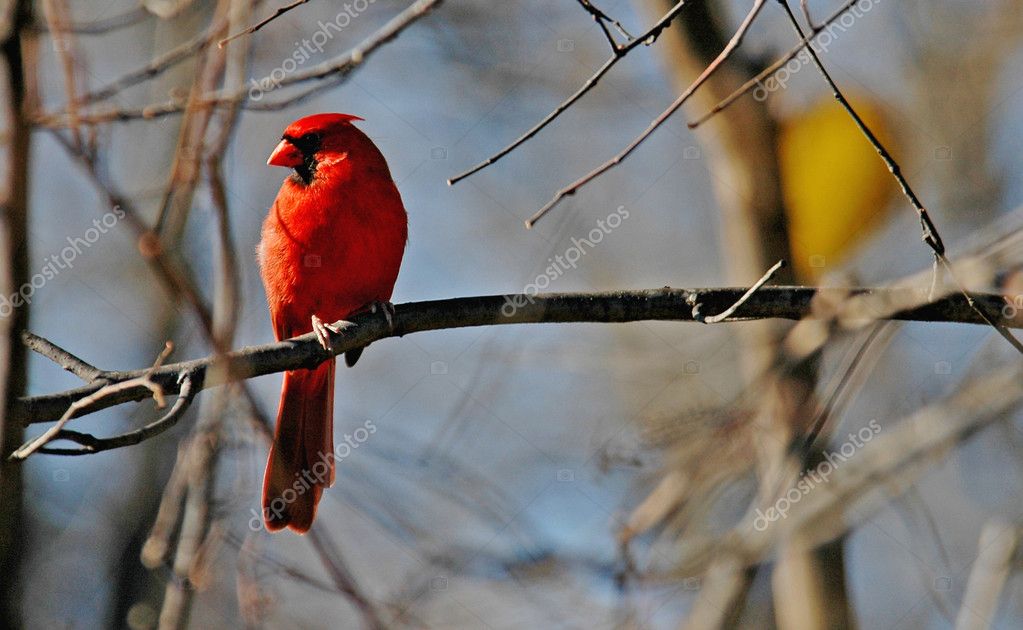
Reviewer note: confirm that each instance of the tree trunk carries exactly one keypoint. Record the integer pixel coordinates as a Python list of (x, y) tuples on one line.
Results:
[(13, 316)]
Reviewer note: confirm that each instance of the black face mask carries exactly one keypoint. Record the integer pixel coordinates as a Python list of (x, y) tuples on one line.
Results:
[(308, 144)]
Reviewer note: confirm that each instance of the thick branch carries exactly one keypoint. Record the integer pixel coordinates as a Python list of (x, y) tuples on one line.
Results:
[(665, 304)]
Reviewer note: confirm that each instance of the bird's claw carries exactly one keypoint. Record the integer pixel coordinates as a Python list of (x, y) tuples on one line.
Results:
[(323, 331), (388, 310)]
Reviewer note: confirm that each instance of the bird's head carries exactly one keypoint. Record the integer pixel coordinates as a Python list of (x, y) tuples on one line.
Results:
[(311, 140)]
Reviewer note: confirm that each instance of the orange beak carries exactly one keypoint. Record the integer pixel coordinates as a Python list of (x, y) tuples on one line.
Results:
[(286, 154)]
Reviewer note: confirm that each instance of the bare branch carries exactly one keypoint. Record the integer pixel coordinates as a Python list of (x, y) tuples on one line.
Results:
[(774, 67), (574, 187), (930, 232), (603, 20), (105, 25), (260, 24), (56, 13), (720, 317), (646, 38), (152, 69), (664, 304), (999, 543), (83, 404), (806, 14), (892, 460), (92, 444), (330, 74), (343, 578), (61, 357)]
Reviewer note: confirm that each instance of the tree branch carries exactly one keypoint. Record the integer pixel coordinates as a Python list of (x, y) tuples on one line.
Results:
[(326, 75), (666, 304), (92, 444), (61, 357), (260, 24), (732, 45), (618, 52), (79, 406)]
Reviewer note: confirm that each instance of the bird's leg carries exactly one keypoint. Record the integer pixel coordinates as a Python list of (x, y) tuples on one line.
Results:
[(323, 330), (352, 356), (388, 310)]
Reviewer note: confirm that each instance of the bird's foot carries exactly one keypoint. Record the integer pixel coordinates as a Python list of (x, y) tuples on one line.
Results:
[(323, 331), (388, 310)]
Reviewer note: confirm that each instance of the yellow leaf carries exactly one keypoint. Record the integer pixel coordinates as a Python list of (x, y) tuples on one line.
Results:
[(837, 191)]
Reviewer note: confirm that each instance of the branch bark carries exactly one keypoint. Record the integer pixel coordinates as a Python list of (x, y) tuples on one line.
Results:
[(665, 304), (16, 50)]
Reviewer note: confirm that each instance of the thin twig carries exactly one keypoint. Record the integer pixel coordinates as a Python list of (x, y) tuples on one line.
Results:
[(602, 20), (930, 232), (646, 38), (92, 444), (174, 276), (980, 310), (105, 25), (258, 25), (343, 578), (727, 313), (61, 357), (83, 404), (826, 410), (574, 187), (338, 70), (179, 192), (806, 14), (327, 75), (770, 70), (158, 544), (56, 14), (152, 69), (894, 460)]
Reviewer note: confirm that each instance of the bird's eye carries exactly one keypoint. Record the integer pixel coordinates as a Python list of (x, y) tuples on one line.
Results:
[(311, 138)]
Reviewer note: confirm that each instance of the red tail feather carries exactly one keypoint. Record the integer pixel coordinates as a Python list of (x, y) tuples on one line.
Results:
[(301, 460)]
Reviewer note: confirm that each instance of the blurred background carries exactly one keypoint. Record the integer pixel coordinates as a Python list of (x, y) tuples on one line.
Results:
[(506, 464)]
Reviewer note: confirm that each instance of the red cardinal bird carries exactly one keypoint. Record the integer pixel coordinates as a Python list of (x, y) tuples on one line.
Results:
[(331, 247)]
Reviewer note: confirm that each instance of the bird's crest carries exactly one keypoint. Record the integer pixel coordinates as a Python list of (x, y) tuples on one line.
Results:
[(318, 123)]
